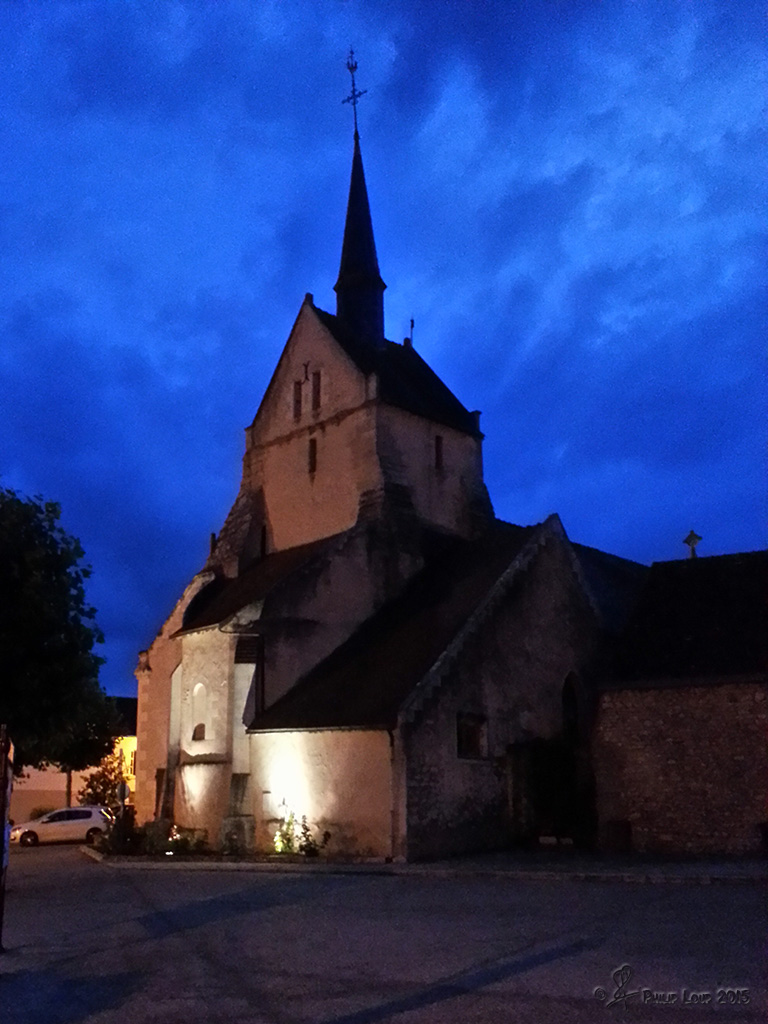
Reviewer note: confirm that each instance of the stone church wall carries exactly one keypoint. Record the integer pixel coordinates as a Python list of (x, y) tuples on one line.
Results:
[(339, 778), (510, 676), (205, 731), (683, 768), (305, 503), (443, 486), (154, 672), (320, 608)]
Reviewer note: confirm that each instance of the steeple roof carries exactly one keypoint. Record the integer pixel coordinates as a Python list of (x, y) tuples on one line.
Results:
[(359, 288)]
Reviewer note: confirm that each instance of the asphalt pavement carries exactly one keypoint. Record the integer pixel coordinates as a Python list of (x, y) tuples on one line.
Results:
[(489, 939)]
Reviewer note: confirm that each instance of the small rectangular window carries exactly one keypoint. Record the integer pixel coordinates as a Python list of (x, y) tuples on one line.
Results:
[(297, 400), (438, 452), (470, 736), (315, 391), (312, 455)]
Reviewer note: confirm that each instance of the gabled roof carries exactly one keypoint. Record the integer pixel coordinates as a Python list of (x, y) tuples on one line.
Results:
[(613, 583), (366, 680), (405, 380), (699, 617), (223, 597)]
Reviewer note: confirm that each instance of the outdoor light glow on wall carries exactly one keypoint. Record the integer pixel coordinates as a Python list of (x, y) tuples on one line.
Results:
[(288, 781), (196, 780)]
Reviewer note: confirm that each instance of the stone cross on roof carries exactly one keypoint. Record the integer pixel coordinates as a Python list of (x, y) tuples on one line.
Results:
[(692, 540)]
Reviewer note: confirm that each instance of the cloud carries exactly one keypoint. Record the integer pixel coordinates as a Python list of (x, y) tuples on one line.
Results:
[(566, 200)]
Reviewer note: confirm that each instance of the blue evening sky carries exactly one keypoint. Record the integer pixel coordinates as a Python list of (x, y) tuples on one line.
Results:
[(568, 198)]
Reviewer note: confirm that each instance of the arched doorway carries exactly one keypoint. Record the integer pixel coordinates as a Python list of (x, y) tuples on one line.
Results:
[(551, 788)]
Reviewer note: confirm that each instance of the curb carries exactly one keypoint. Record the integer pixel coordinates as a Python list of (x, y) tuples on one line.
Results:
[(639, 877)]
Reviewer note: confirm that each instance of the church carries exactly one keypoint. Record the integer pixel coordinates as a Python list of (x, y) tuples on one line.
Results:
[(368, 649)]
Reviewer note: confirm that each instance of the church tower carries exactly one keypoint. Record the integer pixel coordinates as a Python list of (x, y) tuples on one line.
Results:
[(352, 426)]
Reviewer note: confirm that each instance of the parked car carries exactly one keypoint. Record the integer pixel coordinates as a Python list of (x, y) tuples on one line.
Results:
[(70, 824)]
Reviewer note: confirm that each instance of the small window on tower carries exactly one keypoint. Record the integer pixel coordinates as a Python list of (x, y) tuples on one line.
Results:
[(312, 455), (315, 391), (297, 400), (439, 452)]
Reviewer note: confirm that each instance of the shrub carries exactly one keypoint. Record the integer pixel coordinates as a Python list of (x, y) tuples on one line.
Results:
[(285, 837), (308, 845), (38, 812), (123, 837)]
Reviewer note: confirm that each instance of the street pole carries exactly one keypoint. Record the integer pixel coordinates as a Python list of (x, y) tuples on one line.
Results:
[(6, 783)]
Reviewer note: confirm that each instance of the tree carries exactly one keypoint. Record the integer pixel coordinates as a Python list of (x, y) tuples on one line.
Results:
[(50, 697), (102, 785)]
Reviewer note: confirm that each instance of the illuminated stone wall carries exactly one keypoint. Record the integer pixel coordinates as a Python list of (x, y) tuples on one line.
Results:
[(361, 447), (206, 699), (685, 767), (155, 669), (340, 779), (451, 496), (296, 505)]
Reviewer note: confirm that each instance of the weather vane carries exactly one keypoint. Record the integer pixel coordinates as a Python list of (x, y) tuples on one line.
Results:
[(355, 95)]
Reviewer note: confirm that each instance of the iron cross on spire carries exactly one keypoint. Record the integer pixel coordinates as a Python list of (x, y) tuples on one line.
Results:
[(355, 95)]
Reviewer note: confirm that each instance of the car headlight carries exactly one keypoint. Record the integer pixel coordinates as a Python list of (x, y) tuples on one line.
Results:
[(15, 833)]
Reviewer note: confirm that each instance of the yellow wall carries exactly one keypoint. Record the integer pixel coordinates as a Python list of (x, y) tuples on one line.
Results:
[(48, 788)]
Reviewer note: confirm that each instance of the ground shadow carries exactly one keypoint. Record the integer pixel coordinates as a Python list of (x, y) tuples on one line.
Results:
[(466, 982), (30, 997), (255, 899)]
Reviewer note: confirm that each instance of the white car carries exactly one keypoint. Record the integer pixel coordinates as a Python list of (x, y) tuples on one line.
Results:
[(69, 824)]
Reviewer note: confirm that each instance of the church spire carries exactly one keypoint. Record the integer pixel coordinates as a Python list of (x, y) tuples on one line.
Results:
[(359, 288)]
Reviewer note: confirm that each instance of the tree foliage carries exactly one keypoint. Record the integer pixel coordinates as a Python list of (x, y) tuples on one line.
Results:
[(102, 785), (50, 696)]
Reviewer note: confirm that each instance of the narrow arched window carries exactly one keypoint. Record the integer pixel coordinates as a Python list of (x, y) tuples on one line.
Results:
[(199, 711)]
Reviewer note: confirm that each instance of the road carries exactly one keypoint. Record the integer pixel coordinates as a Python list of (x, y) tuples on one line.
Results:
[(89, 943)]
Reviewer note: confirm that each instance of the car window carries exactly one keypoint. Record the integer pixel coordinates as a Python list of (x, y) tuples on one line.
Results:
[(79, 815), (56, 816)]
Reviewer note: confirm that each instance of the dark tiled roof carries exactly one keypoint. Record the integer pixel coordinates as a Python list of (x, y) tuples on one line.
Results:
[(613, 582), (700, 617), (222, 597), (405, 380), (365, 681)]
